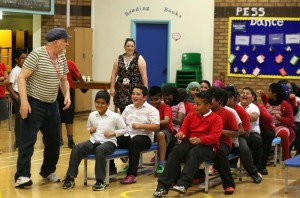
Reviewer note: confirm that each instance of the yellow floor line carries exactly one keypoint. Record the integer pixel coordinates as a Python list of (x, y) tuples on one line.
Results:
[(125, 194)]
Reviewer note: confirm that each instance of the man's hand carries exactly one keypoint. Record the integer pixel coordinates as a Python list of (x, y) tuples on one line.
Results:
[(67, 103), (25, 108)]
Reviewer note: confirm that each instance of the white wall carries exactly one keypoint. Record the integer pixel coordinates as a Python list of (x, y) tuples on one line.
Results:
[(111, 27), (36, 31)]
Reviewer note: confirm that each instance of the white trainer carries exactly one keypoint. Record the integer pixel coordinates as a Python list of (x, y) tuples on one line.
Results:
[(53, 178), (22, 182)]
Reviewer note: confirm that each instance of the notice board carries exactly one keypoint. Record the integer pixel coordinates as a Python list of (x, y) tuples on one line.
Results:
[(264, 47)]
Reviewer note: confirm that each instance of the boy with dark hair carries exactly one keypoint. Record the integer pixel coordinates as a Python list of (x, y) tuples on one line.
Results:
[(99, 122), (243, 149), (141, 120), (230, 130), (164, 135), (200, 133)]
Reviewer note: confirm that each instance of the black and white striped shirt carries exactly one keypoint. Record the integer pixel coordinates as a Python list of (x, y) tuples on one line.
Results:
[(44, 82)]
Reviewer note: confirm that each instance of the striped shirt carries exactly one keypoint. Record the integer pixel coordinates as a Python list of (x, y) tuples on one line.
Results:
[(44, 82)]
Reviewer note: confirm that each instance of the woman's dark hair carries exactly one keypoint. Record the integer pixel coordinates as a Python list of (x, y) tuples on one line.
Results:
[(277, 89), (205, 96), (135, 53), (172, 90), (104, 95), (206, 82)]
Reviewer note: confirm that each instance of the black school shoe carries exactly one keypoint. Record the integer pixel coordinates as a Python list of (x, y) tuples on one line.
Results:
[(160, 192), (257, 178)]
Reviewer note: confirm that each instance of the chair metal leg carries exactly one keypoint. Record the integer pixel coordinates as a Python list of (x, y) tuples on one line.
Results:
[(275, 154), (107, 172), (206, 179), (241, 172), (85, 172), (286, 180)]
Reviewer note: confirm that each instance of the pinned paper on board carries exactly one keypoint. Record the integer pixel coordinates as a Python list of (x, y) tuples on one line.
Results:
[(282, 72), (260, 58), (279, 58), (256, 71), (294, 60), (231, 58), (245, 58)]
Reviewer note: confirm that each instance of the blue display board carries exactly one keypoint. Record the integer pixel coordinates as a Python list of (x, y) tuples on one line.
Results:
[(264, 47)]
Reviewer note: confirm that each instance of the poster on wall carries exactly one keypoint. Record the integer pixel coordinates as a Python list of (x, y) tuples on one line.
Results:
[(264, 47)]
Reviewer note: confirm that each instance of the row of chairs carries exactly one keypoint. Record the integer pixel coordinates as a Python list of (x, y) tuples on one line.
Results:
[(154, 148)]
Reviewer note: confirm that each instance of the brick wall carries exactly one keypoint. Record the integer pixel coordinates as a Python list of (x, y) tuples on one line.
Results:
[(225, 9), (80, 16)]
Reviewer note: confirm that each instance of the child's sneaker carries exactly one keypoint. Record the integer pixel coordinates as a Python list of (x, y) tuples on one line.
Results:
[(179, 189), (124, 170), (53, 178), (22, 182), (160, 192), (160, 169), (71, 144), (229, 191), (129, 179), (257, 178), (68, 183), (99, 186)]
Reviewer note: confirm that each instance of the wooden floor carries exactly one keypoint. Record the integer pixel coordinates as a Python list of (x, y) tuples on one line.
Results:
[(272, 185)]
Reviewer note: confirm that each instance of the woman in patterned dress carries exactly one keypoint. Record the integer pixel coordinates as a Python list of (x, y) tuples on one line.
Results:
[(128, 71)]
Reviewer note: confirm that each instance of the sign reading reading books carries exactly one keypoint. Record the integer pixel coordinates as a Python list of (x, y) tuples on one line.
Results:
[(264, 47)]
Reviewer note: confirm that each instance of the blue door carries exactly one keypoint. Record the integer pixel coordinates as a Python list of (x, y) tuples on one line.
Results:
[(152, 44)]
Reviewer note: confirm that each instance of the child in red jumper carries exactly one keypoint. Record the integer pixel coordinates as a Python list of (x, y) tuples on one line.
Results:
[(200, 133), (164, 135), (230, 130)]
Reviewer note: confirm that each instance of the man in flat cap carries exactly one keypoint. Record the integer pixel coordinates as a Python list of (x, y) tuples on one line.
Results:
[(43, 71)]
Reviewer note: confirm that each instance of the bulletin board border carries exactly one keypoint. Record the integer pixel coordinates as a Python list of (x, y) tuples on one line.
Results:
[(248, 75)]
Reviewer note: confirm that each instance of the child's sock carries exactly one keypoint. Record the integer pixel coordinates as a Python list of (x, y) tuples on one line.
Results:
[(162, 163)]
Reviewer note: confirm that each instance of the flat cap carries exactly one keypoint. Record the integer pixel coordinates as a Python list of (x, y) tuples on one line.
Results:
[(56, 34)]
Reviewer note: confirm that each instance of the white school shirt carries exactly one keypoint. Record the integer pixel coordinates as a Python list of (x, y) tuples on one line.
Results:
[(146, 114), (254, 125), (110, 121), (13, 77), (235, 141)]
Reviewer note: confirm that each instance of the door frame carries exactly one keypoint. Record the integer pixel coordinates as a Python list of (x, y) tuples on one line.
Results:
[(166, 22)]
